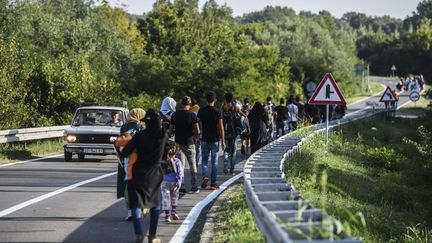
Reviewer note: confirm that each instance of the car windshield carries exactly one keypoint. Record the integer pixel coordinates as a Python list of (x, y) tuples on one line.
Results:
[(92, 117)]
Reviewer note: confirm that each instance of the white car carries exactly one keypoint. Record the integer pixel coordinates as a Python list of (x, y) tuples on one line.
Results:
[(93, 131)]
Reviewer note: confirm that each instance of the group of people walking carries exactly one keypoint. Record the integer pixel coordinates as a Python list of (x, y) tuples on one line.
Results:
[(411, 83), (153, 155)]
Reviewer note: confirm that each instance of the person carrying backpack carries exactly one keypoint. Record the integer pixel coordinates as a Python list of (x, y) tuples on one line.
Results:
[(230, 110)]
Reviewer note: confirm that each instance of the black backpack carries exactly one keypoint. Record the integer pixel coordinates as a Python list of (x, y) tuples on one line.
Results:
[(229, 122)]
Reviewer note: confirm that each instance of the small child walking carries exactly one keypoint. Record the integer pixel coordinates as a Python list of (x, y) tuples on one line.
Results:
[(173, 177)]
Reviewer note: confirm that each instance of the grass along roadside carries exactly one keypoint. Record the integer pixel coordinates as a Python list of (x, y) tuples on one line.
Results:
[(236, 223), (414, 110), (20, 151), (421, 104), (372, 171)]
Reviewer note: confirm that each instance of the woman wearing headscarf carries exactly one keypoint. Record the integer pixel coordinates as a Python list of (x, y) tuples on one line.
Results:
[(258, 122), (147, 175), (127, 130), (168, 107)]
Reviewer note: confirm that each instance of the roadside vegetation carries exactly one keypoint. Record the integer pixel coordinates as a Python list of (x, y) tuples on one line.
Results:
[(379, 168), (55, 54), (20, 151), (236, 221)]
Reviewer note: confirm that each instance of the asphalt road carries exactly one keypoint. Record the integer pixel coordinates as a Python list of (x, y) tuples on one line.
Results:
[(55, 201), (34, 206), (386, 82)]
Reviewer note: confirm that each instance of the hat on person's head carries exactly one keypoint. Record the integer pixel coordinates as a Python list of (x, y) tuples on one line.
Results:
[(186, 100), (136, 115)]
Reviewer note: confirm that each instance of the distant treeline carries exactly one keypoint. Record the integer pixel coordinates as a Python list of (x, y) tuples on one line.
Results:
[(55, 54)]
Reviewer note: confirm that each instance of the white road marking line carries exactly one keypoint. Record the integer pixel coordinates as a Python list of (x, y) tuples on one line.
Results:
[(51, 194), (193, 215), (31, 160)]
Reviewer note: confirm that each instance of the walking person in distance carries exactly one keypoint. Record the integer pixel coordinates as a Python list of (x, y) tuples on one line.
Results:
[(229, 111)]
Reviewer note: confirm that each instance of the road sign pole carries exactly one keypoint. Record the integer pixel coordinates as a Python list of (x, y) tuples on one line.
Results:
[(368, 83), (327, 119), (327, 93)]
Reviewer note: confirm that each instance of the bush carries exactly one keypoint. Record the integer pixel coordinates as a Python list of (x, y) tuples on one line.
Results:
[(382, 157), (424, 146)]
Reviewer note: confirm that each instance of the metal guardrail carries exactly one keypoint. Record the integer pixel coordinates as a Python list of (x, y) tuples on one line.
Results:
[(280, 211), (28, 134)]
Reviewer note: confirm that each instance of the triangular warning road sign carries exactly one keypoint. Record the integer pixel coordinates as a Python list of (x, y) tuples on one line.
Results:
[(388, 96), (327, 92)]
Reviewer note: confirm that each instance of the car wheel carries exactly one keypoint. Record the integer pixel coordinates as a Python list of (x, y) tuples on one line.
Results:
[(67, 156), (81, 156)]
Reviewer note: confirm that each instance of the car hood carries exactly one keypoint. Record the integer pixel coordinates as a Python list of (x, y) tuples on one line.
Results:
[(115, 131)]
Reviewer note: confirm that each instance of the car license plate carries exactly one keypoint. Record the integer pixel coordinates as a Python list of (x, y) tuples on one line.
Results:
[(93, 151)]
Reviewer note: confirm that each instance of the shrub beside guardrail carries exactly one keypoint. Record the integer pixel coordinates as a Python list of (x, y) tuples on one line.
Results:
[(28, 134), (280, 211)]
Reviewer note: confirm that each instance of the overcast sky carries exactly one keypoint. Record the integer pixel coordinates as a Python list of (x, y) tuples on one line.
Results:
[(394, 8)]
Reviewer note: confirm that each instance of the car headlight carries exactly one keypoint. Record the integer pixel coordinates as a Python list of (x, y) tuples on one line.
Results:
[(70, 138), (113, 139)]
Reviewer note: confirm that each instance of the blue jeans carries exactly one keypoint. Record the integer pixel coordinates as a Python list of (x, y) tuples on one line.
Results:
[(230, 153), (137, 222), (212, 150)]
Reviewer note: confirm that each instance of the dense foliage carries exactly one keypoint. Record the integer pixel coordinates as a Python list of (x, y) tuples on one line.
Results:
[(316, 44), (56, 54), (407, 44)]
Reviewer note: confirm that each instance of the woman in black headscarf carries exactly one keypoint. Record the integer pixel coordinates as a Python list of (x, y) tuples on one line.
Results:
[(258, 122), (147, 175)]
